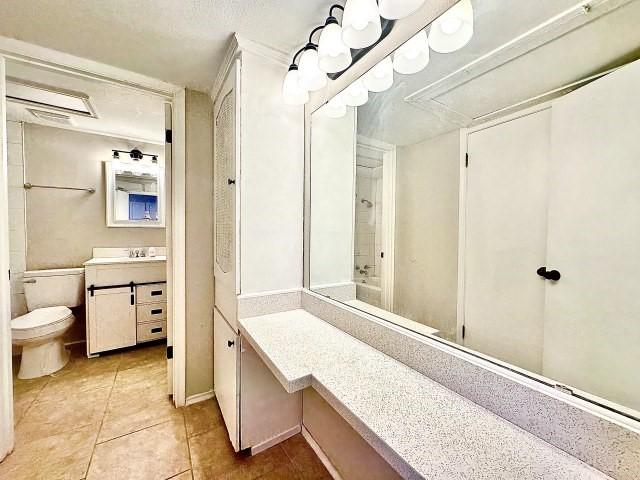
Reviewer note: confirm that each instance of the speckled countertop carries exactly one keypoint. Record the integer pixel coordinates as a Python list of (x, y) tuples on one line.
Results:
[(119, 260), (420, 427)]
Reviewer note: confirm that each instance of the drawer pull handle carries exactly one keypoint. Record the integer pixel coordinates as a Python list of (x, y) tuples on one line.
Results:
[(230, 343), (155, 293), (156, 311), (156, 330)]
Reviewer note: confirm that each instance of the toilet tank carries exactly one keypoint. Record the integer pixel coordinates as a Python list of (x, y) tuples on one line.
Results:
[(53, 288)]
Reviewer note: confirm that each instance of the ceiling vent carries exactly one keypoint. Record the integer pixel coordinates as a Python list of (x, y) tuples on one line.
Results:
[(45, 97), (59, 118)]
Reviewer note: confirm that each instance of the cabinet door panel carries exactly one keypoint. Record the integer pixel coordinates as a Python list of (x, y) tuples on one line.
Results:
[(225, 374), (112, 320), (592, 332), (505, 243)]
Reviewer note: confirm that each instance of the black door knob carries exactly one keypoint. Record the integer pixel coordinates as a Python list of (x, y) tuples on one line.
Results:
[(549, 275), (230, 343), (553, 275)]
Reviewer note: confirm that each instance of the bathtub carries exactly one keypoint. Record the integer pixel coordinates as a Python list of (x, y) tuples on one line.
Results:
[(368, 290)]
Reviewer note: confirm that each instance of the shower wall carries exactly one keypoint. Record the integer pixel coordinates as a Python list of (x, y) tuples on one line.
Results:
[(368, 231)]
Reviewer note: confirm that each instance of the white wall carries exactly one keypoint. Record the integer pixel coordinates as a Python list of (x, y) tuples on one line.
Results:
[(272, 173), (17, 228), (199, 242), (333, 143), (426, 236)]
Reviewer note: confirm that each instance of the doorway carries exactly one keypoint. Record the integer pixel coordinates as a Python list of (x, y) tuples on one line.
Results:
[(96, 122)]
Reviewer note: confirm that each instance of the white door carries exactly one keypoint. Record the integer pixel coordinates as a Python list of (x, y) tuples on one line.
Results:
[(225, 374), (592, 326), (506, 204), (168, 228), (6, 379), (113, 319), (225, 175)]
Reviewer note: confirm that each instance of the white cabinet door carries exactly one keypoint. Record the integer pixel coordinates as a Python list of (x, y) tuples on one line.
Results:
[(112, 319), (592, 332), (506, 204), (225, 374), (226, 182)]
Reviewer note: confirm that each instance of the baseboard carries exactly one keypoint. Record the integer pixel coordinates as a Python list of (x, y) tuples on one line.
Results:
[(281, 437), (321, 455), (199, 397)]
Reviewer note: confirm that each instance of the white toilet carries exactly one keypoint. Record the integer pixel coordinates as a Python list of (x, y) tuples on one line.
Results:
[(49, 294)]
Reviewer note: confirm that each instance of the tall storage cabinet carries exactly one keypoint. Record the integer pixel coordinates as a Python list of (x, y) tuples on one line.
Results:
[(258, 211)]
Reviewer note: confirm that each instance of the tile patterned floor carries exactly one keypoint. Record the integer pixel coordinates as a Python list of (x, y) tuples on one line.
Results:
[(110, 418)]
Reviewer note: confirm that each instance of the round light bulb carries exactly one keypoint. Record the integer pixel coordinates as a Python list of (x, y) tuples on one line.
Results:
[(292, 93), (453, 29), (334, 55), (412, 56), (361, 23), (356, 94), (380, 77), (395, 9), (311, 77), (335, 108)]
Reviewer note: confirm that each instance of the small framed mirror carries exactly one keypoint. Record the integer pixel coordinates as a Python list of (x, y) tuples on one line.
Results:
[(135, 195)]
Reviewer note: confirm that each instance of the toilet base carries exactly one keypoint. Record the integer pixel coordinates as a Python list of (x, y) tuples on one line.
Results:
[(44, 359)]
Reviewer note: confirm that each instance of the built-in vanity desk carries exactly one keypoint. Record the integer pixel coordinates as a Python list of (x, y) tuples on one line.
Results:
[(125, 301), (422, 429)]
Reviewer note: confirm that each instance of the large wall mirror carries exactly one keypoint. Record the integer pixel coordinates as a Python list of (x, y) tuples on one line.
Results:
[(489, 195)]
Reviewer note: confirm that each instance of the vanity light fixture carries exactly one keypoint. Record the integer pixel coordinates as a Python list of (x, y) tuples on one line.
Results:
[(453, 29), (395, 9), (311, 78), (292, 92), (136, 155), (413, 55), (361, 25), (380, 77), (356, 94), (334, 54), (335, 108)]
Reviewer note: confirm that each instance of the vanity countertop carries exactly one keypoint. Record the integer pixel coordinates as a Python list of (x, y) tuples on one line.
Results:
[(420, 427), (119, 260)]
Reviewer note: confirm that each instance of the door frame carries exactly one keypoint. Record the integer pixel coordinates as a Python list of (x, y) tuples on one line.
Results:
[(387, 277), (176, 240), (462, 201), (6, 372)]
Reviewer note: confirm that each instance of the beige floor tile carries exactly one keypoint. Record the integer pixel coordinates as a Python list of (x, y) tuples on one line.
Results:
[(72, 386), (183, 476), (213, 457), (202, 417), (65, 456), (158, 452), (283, 472), (151, 374), (134, 408), (143, 356), (44, 419), (305, 459)]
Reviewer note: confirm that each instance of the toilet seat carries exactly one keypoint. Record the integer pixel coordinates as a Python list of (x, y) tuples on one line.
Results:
[(41, 322)]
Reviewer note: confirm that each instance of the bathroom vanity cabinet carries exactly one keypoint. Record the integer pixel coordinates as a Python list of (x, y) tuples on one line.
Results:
[(125, 302)]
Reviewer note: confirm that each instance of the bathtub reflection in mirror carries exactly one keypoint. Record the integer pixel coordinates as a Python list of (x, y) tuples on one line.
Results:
[(492, 200)]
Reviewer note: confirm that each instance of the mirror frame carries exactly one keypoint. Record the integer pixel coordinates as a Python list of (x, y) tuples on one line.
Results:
[(110, 199)]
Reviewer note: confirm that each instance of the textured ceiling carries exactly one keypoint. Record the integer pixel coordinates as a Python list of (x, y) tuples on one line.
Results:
[(178, 41)]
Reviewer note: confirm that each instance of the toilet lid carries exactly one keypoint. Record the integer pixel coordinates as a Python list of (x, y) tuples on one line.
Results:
[(40, 317)]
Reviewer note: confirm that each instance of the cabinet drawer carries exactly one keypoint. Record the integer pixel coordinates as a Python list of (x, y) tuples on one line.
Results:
[(156, 293), (152, 331), (151, 312)]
